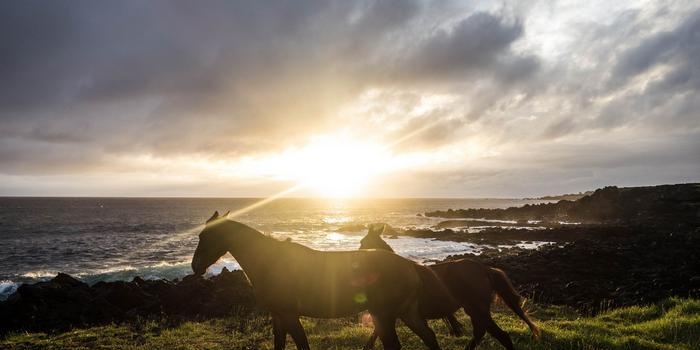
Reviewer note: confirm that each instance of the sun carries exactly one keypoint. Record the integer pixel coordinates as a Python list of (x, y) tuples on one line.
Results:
[(336, 166)]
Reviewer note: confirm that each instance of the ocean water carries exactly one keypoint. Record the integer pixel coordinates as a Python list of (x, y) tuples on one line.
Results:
[(107, 239)]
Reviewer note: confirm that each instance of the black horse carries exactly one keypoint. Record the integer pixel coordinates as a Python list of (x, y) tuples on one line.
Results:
[(474, 285)]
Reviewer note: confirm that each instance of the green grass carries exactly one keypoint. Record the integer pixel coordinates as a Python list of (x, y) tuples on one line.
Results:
[(672, 324)]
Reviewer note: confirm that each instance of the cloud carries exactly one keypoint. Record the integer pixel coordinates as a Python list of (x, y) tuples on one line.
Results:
[(679, 46), (478, 42), (85, 84), (162, 71)]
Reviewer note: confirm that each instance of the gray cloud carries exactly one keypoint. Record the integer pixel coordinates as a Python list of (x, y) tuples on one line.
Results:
[(84, 82), (668, 100), (153, 76), (446, 56), (679, 46)]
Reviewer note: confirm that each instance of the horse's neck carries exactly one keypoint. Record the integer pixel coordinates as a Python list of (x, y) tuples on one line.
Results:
[(252, 250)]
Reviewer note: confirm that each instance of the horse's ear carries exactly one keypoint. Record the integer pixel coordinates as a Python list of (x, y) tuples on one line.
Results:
[(383, 231), (213, 217), (226, 215)]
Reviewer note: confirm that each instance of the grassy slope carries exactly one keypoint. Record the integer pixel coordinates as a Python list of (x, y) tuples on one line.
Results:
[(672, 324)]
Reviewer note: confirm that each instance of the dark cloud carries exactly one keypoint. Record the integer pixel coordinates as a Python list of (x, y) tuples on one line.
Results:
[(668, 98), (478, 44), (172, 77), (680, 47), (85, 82), (621, 74)]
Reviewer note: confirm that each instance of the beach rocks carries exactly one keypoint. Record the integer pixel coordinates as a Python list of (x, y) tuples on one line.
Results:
[(65, 302), (353, 227), (428, 233), (482, 223), (384, 228), (616, 270)]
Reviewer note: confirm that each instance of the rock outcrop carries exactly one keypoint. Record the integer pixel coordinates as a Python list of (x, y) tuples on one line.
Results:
[(595, 274), (66, 302), (658, 205)]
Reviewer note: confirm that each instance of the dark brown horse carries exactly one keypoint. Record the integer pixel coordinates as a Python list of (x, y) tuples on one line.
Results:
[(291, 280), (474, 285)]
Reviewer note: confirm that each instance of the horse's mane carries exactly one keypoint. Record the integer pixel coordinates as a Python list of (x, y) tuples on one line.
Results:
[(273, 241)]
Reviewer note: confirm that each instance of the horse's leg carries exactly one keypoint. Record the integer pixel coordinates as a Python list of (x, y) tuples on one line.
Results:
[(294, 328), (490, 325), (385, 327), (419, 325), (456, 328), (370, 342), (497, 332), (478, 331), (279, 333)]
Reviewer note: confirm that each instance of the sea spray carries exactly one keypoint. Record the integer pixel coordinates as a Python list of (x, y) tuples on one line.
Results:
[(6, 288)]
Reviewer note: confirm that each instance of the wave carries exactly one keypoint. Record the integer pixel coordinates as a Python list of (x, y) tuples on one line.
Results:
[(161, 270), (40, 274), (7, 288)]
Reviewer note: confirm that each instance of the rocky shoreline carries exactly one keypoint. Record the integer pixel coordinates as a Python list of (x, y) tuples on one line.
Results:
[(649, 252), (594, 274), (634, 246), (629, 266), (65, 302), (665, 205), (510, 236)]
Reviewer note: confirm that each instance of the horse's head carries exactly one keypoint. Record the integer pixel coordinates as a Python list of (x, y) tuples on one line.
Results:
[(210, 247), (373, 239)]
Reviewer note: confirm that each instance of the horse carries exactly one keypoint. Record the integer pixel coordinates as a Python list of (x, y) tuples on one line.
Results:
[(474, 285), (290, 280)]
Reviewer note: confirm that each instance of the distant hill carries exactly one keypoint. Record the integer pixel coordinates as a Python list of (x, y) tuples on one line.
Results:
[(665, 204), (568, 196)]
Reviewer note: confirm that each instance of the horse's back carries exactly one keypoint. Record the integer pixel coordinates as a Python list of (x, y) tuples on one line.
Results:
[(332, 284), (468, 280), (435, 298)]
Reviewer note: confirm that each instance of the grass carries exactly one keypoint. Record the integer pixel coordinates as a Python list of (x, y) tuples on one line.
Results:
[(671, 324)]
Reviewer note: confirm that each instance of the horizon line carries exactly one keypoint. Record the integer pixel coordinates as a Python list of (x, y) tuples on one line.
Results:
[(257, 198), (343, 198)]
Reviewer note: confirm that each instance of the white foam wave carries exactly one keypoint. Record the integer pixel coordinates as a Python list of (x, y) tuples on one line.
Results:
[(40, 274), (418, 249), (6, 288), (160, 270), (228, 262), (526, 245), (106, 271)]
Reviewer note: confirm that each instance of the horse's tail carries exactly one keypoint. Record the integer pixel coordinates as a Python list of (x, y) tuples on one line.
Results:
[(501, 284)]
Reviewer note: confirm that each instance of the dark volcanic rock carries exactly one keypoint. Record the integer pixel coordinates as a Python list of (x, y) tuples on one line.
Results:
[(385, 228), (666, 205), (594, 274), (65, 302), (476, 223), (512, 236), (58, 303), (352, 228)]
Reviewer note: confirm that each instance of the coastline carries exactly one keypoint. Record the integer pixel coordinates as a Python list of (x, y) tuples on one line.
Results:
[(590, 268)]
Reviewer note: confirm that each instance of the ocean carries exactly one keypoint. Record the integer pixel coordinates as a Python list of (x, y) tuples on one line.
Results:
[(108, 239)]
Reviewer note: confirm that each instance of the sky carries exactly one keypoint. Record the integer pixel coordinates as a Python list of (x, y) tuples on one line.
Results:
[(395, 98)]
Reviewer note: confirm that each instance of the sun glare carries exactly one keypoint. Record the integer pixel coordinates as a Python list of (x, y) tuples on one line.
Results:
[(332, 165), (336, 166)]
